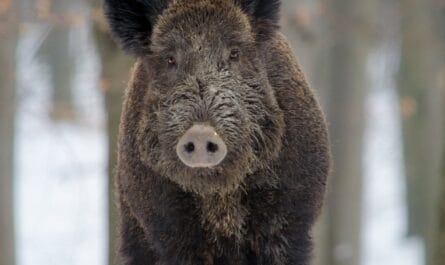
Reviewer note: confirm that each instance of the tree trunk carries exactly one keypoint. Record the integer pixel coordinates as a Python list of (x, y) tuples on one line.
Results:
[(421, 105), (57, 53), (8, 42), (439, 239), (415, 86), (437, 233), (114, 77), (349, 22)]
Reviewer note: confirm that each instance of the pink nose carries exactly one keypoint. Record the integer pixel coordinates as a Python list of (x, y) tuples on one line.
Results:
[(201, 146)]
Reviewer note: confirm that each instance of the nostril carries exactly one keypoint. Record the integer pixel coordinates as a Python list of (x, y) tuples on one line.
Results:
[(212, 147), (201, 147), (189, 147)]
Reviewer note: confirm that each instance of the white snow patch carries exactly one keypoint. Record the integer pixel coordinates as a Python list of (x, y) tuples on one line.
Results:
[(61, 178), (385, 213)]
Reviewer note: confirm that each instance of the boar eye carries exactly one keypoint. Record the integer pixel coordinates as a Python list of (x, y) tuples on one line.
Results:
[(171, 60), (234, 54)]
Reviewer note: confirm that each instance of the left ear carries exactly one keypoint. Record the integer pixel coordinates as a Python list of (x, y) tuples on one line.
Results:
[(261, 10)]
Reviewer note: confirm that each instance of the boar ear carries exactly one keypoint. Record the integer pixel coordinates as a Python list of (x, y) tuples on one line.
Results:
[(132, 21), (263, 10)]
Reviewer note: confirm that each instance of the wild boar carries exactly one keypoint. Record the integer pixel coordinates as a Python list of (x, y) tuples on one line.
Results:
[(223, 150)]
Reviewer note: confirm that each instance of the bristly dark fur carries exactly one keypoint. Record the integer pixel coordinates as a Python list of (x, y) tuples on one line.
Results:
[(132, 21), (256, 207)]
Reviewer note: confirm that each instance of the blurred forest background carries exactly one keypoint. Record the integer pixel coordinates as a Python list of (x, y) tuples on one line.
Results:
[(378, 67)]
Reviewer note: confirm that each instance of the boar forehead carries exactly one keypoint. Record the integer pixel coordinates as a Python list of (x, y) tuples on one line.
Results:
[(196, 25)]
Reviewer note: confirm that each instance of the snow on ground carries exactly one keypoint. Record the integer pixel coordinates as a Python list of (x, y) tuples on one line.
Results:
[(61, 195), (385, 213)]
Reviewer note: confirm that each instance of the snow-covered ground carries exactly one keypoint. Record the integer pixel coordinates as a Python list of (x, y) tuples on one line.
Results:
[(384, 208), (384, 216), (61, 176)]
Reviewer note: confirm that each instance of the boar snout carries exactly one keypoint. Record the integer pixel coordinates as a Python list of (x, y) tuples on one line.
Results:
[(201, 146)]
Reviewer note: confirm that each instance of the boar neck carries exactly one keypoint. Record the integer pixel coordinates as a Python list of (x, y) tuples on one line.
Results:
[(223, 215)]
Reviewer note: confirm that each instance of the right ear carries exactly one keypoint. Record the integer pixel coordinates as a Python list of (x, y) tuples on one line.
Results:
[(132, 21)]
